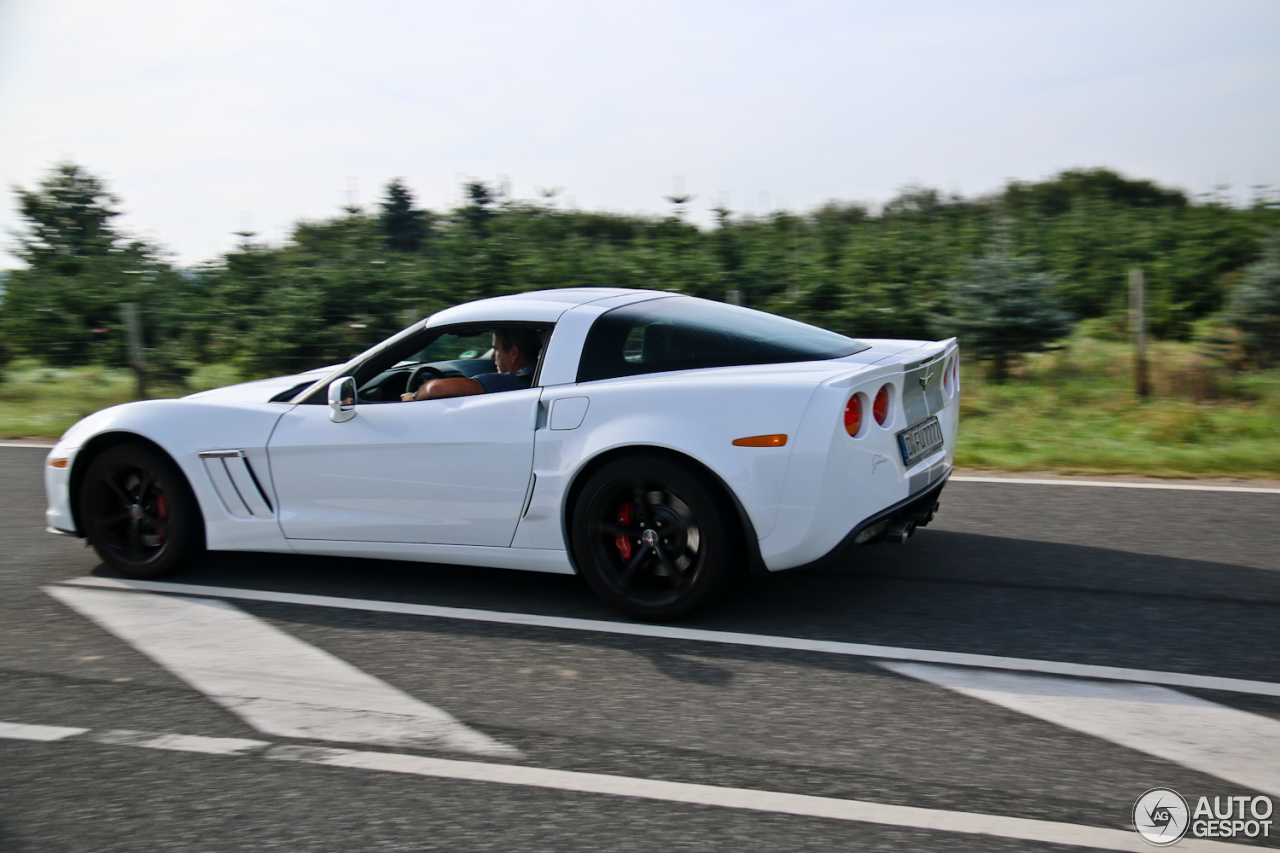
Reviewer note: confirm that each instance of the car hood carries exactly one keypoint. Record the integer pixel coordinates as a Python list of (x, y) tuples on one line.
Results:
[(262, 390)]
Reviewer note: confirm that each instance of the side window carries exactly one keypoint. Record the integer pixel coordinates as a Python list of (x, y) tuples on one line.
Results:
[(452, 352), (682, 333)]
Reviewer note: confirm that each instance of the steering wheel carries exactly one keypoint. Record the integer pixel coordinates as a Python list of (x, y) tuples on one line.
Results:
[(420, 375)]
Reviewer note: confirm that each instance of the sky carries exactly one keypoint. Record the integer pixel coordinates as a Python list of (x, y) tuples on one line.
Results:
[(214, 117)]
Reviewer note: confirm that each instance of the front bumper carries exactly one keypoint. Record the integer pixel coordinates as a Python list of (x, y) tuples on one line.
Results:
[(57, 487)]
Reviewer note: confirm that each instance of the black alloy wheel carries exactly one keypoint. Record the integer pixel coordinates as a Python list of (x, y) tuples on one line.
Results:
[(651, 538), (138, 512)]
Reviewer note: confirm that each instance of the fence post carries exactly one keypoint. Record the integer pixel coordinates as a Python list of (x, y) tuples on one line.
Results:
[(133, 330), (1138, 326)]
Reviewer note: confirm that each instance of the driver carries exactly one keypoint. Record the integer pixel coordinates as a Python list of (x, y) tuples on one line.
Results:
[(515, 351)]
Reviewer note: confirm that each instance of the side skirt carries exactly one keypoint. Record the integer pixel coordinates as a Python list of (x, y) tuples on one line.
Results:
[(524, 559)]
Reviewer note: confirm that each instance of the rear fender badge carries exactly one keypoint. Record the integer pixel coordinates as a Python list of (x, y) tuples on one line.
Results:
[(875, 462)]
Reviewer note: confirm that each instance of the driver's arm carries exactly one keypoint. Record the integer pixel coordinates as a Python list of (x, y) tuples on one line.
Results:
[(436, 389)]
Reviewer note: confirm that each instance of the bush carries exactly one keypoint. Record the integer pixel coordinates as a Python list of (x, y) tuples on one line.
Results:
[(1004, 309), (1254, 308)]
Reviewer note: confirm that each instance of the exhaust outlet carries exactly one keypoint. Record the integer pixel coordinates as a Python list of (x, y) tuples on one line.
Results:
[(900, 531)]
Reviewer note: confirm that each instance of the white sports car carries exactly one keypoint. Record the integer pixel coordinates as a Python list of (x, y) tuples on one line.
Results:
[(665, 443)]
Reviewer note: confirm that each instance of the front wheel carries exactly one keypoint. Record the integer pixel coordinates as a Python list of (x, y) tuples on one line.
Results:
[(138, 512), (651, 538)]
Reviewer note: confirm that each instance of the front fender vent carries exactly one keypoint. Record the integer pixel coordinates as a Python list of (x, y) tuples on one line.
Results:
[(236, 484)]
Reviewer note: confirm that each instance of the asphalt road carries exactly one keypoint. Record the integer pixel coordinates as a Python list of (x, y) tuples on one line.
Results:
[(1172, 581)]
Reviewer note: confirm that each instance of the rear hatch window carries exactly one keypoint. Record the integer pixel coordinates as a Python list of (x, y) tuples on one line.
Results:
[(683, 333)]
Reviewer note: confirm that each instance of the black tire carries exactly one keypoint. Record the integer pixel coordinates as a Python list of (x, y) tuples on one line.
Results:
[(138, 512), (651, 538)]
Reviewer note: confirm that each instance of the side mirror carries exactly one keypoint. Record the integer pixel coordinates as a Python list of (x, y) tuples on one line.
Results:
[(342, 399)]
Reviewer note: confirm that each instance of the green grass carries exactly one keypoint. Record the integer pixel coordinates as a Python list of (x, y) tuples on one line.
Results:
[(1071, 411), (1076, 411), (42, 402)]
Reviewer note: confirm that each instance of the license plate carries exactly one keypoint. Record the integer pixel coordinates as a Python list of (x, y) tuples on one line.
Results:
[(920, 440)]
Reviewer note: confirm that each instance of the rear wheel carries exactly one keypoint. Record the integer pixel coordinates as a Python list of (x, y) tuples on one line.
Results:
[(651, 538), (138, 512)]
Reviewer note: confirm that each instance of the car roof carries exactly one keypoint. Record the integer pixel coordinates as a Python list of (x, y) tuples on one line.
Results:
[(539, 306)]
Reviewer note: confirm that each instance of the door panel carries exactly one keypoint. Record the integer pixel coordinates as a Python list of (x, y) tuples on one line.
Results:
[(448, 472)]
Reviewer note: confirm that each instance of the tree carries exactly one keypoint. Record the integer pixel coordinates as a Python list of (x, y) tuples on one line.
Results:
[(1254, 307), (68, 220), (1003, 309), (65, 306), (1056, 196), (480, 210), (917, 200), (404, 227)]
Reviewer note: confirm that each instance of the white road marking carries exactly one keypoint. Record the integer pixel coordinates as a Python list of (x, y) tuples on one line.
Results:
[(776, 802), (22, 444), (1183, 487), (22, 731), (274, 681), (748, 799), (1205, 736), (179, 743), (1078, 670)]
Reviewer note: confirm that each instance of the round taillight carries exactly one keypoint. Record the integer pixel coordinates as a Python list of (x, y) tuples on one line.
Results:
[(853, 415), (880, 408)]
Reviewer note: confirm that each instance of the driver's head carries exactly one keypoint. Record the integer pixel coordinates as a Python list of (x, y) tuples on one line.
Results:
[(515, 348)]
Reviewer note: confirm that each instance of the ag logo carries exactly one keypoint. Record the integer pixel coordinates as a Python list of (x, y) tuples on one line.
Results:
[(1161, 816)]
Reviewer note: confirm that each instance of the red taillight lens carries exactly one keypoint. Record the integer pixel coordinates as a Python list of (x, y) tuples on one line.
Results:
[(853, 415), (880, 408)]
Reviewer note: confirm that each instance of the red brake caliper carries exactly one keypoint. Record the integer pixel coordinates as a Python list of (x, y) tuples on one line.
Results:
[(623, 543), (162, 513)]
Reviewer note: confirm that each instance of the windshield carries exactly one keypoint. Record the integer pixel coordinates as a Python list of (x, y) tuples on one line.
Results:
[(449, 346)]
